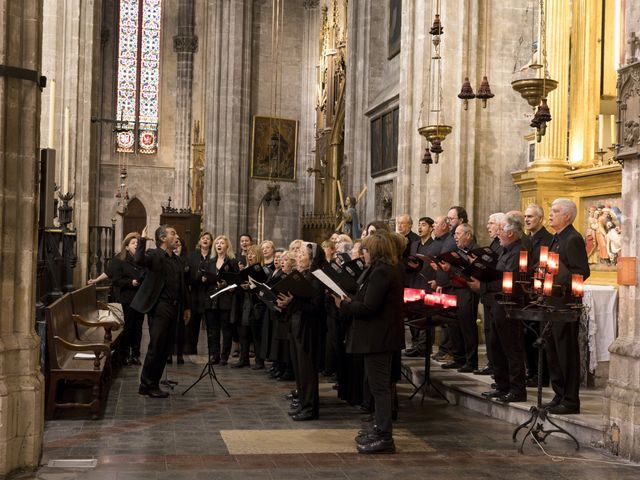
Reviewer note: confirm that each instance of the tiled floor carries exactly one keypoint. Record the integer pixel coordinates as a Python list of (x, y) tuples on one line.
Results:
[(180, 438)]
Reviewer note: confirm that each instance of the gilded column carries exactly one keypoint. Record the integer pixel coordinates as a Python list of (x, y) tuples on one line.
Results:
[(585, 81), (21, 384), (551, 152), (185, 44)]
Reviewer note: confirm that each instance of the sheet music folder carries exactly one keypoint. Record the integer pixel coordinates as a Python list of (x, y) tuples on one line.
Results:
[(296, 284)]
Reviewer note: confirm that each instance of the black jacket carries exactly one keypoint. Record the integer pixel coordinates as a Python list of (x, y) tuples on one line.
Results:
[(225, 300), (573, 258), (149, 292), (542, 238), (197, 265), (377, 307), (122, 274)]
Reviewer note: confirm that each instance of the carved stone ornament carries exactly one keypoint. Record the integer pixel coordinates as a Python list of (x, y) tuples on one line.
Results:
[(628, 117), (185, 43)]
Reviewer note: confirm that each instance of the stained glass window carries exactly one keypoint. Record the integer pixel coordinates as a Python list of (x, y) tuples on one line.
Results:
[(138, 85)]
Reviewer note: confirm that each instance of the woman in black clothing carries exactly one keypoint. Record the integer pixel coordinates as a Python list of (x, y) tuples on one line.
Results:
[(245, 305), (127, 276), (198, 261), (218, 313), (307, 322), (280, 351), (377, 331), (178, 342)]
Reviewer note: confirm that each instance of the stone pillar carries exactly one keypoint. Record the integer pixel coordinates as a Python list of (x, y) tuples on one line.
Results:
[(551, 152), (622, 395), (185, 44), (227, 132), (21, 384)]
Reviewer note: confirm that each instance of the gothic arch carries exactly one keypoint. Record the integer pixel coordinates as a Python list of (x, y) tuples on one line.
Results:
[(135, 218)]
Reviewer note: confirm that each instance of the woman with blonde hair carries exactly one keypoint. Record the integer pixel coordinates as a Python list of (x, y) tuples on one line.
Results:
[(218, 311), (199, 283)]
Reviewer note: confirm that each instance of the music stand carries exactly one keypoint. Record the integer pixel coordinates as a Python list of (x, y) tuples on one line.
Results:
[(426, 323), (166, 382), (208, 371), (535, 423)]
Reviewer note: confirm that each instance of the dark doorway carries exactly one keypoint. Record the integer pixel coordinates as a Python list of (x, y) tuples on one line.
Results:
[(135, 219)]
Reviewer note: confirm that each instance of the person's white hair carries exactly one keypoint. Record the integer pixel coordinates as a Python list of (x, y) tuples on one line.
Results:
[(513, 223), (539, 210), (568, 206), (497, 217)]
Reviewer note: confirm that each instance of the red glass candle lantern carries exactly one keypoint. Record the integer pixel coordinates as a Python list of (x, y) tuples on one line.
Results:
[(524, 261), (544, 256), (577, 285), (507, 283), (547, 287)]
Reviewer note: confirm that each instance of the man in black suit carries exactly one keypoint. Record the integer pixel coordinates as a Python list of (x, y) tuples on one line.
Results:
[(404, 223), (160, 296), (540, 237), (563, 353)]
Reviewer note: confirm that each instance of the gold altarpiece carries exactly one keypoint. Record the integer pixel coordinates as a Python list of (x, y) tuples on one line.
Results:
[(575, 159), (330, 109)]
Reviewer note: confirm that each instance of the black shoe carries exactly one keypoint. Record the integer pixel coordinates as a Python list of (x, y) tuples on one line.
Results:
[(304, 416), (180, 360), (214, 359), (241, 364), (169, 360), (513, 397), (412, 352), (484, 371), (452, 365), (295, 403), (553, 403), (494, 394), (152, 392), (223, 362), (258, 366), (293, 394), (439, 356), (286, 377), (378, 445), (562, 409), (127, 361), (294, 411), (135, 360), (494, 386), (467, 369)]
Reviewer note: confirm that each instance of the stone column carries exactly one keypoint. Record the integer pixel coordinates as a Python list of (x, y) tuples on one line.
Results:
[(185, 44), (21, 384), (551, 152), (622, 395), (227, 132)]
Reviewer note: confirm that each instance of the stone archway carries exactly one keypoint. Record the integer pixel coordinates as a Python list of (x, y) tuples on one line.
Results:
[(135, 219)]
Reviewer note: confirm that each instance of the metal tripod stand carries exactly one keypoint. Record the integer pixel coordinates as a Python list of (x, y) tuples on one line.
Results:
[(208, 371)]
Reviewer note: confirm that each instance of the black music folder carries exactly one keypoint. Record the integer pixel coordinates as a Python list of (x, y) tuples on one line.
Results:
[(230, 277), (296, 284), (486, 255), (255, 271), (339, 275), (265, 294)]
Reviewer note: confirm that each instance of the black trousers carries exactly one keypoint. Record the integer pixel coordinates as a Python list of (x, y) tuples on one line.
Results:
[(507, 345), (488, 329), (467, 316), (192, 334), (244, 334), (132, 333), (162, 319), (256, 321), (377, 370), (305, 372), (219, 321), (563, 355)]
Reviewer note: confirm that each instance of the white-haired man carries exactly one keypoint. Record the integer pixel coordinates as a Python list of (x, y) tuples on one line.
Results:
[(562, 349)]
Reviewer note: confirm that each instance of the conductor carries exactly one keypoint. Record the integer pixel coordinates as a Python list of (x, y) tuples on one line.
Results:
[(160, 296)]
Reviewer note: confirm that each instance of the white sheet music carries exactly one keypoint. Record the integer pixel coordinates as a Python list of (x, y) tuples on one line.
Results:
[(330, 284), (225, 289)]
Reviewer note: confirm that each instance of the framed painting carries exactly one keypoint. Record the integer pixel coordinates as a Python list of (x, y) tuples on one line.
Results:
[(395, 24), (273, 148), (602, 228)]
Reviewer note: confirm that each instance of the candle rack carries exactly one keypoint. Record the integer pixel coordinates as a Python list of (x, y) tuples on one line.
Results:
[(534, 305)]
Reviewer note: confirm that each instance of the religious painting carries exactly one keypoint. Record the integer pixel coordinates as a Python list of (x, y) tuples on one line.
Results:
[(384, 142), (273, 149), (602, 228), (395, 19)]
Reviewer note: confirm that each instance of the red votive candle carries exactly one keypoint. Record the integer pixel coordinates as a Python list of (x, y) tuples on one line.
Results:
[(577, 285), (507, 282), (547, 288), (524, 261), (537, 285), (553, 263), (544, 256)]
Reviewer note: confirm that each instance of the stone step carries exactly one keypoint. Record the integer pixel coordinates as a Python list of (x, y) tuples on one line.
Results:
[(465, 389)]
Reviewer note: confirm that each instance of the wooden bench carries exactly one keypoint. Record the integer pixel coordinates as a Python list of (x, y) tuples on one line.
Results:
[(64, 365), (95, 321)]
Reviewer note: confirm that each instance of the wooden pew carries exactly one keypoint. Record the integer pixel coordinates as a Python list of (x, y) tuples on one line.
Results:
[(64, 366)]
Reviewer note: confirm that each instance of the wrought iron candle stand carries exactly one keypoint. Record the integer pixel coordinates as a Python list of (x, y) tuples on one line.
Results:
[(537, 309)]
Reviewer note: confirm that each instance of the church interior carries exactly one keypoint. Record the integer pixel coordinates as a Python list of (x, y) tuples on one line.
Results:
[(263, 117)]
